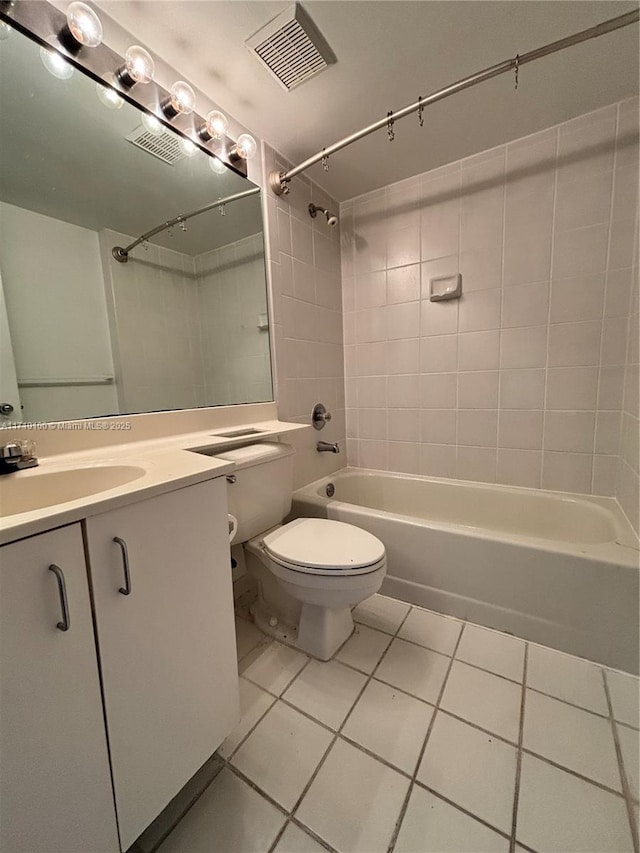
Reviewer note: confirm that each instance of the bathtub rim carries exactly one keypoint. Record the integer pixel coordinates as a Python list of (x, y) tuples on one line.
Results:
[(625, 549)]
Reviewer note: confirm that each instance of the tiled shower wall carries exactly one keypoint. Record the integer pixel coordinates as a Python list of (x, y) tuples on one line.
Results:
[(304, 268), (521, 381)]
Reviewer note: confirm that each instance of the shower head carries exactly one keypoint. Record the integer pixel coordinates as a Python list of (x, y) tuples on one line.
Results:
[(314, 209)]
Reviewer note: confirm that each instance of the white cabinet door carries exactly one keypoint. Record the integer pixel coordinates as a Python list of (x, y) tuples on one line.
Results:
[(167, 649), (55, 785)]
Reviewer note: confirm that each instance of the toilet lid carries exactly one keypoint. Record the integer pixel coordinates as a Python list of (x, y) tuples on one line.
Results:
[(323, 544)]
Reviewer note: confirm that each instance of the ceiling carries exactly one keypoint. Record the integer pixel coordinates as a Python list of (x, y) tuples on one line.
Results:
[(59, 132), (389, 53)]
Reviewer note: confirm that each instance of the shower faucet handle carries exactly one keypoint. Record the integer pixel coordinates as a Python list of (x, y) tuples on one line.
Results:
[(320, 416)]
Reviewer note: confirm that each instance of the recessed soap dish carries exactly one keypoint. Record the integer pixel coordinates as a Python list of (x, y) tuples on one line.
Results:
[(238, 433), (445, 287)]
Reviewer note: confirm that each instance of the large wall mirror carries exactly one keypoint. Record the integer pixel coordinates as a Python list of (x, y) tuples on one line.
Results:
[(183, 323)]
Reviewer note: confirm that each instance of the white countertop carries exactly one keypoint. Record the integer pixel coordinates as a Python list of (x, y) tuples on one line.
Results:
[(167, 464)]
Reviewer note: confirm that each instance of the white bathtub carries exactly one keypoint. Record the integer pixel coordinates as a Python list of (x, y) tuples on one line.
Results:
[(554, 568)]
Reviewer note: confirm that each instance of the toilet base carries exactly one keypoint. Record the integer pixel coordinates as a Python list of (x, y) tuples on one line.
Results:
[(320, 633)]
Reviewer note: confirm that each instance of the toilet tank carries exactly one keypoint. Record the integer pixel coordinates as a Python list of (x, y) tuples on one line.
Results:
[(261, 495)]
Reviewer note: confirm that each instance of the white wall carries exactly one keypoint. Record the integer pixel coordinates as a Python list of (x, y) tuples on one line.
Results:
[(521, 380), (232, 316), (154, 326), (55, 301)]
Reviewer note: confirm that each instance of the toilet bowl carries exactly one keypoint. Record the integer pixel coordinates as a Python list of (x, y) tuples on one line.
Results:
[(310, 572)]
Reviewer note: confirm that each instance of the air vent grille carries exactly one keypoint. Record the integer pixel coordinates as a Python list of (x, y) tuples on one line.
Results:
[(165, 147), (292, 48)]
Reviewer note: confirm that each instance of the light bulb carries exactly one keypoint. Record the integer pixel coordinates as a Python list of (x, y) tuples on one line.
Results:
[(246, 146), (84, 25), (5, 30), (152, 125), (182, 98), (216, 165), (109, 97), (139, 67), (56, 64), (188, 148), (216, 124)]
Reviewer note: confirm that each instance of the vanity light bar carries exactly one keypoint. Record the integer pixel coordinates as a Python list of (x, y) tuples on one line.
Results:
[(78, 41)]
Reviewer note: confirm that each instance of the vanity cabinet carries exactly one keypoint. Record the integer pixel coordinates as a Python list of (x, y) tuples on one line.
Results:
[(55, 785), (163, 604)]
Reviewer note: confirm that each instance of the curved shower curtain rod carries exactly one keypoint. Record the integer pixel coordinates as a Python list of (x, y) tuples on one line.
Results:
[(122, 255), (279, 181)]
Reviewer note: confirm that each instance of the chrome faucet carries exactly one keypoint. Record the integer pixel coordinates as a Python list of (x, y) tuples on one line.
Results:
[(15, 456), (327, 447)]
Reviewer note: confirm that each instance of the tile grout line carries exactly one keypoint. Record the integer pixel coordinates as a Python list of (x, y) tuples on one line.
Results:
[(458, 807), (291, 818), (621, 769), (516, 792), (544, 759), (403, 809)]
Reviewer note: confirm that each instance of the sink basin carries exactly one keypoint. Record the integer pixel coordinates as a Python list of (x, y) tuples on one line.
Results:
[(28, 490)]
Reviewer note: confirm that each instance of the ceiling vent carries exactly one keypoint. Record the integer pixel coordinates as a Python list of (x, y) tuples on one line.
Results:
[(165, 147), (291, 47)]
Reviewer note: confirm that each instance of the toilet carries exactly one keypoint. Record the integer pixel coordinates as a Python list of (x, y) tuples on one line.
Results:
[(310, 572)]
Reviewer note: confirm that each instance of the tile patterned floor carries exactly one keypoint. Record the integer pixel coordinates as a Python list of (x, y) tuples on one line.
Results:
[(424, 735)]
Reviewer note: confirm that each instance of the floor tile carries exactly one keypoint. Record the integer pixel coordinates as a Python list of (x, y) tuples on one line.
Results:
[(294, 840), (493, 651), (254, 702), (385, 614), (282, 752), (436, 632), (414, 669), (472, 769), (484, 699), (567, 677), (625, 697), (559, 813), (571, 737), (327, 691), (247, 637), (390, 724), (231, 817), (364, 648), (432, 826), (630, 756), (276, 667), (354, 801)]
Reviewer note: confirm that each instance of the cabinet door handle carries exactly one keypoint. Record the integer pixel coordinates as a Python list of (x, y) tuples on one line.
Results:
[(126, 589), (64, 604)]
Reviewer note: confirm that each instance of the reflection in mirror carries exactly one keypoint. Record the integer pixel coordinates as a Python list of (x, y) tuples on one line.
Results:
[(183, 323)]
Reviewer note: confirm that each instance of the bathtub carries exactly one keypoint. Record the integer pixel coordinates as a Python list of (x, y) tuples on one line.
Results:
[(553, 568)]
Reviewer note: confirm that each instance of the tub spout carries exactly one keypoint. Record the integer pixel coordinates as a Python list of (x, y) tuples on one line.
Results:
[(327, 447)]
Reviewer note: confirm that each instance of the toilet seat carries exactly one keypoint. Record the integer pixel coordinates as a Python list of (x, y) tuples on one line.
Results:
[(319, 546)]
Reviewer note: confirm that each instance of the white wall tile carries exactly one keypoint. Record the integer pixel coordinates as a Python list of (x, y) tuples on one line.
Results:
[(572, 431), (403, 284), (522, 389), (574, 344), (438, 390), (520, 429), (438, 426), (479, 351), (479, 310), (525, 305), (525, 347), (478, 428), (439, 354), (478, 390), (543, 232), (572, 388)]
